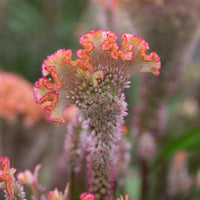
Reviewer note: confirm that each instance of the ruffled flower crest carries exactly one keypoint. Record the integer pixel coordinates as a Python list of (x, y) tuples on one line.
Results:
[(12, 189), (103, 50), (70, 80), (60, 84), (6, 175)]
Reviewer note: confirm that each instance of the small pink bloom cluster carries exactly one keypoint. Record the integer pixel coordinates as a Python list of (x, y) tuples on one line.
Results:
[(17, 100)]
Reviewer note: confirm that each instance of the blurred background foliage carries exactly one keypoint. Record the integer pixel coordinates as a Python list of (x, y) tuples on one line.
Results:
[(32, 29)]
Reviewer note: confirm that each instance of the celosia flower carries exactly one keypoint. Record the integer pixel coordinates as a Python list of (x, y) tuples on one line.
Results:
[(87, 196), (57, 195), (54, 195), (101, 67), (17, 101), (27, 178), (7, 180), (6, 175), (31, 179), (94, 83)]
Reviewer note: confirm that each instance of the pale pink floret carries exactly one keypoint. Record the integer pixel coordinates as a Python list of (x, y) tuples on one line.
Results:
[(58, 195), (25, 177), (69, 112), (87, 196)]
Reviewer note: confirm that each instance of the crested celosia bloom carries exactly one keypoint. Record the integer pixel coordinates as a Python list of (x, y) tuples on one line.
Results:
[(94, 83), (17, 101), (13, 190), (6, 175)]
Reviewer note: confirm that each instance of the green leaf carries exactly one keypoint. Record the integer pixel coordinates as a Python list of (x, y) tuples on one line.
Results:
[(187, 141)]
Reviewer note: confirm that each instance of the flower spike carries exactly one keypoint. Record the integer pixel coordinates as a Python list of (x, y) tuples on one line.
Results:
[(94, 83)]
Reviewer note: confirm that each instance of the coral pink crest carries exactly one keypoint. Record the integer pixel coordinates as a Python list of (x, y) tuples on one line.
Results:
[(52, 97), (139, 47), (56, 59), (111, 45), (5, 163), (8, 180), (53, 195), (89, 41), (48, 83), (4, 175), (131, 45), (47, 90)]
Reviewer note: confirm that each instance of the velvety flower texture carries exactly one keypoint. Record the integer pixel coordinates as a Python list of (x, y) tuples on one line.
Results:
[(94, 83)]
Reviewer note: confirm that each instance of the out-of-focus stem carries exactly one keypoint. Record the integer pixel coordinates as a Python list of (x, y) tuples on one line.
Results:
[(72, 185), (145, 180)]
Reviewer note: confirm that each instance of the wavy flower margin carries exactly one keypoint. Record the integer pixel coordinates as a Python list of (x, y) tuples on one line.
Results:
[(100, 48), (6, 174)]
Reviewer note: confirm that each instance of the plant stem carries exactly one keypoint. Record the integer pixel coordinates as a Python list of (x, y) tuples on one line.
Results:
[(145, 180), (72, 185)]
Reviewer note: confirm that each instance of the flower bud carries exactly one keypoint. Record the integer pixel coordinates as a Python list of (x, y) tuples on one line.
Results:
[(146, 149)]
